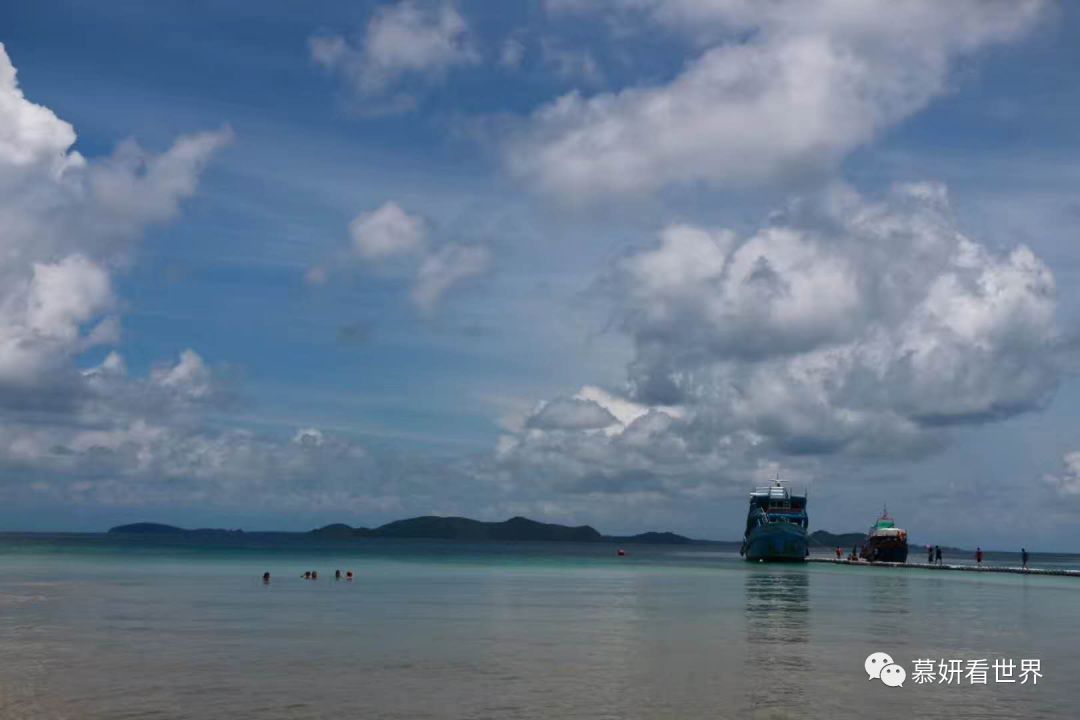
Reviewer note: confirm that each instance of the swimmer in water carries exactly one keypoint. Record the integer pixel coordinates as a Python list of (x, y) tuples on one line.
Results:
[(348, 576), (266, 578), (337, 574)]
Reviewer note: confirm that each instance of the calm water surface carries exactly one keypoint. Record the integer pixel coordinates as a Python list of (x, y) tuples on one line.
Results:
[(95, 628)]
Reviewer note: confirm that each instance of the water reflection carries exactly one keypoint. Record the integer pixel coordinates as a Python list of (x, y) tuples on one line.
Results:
[(888, 600), (778, 633), (889, 594)]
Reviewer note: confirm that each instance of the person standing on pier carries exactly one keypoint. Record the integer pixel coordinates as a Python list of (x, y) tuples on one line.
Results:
[(937, 553), (1024, 557), (929, 554), (978, 556)]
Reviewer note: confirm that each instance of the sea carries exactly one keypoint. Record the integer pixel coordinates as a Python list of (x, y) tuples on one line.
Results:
[(116, 628)]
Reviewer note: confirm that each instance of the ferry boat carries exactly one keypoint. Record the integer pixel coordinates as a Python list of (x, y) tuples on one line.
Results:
[(885, 542), (776, 525)]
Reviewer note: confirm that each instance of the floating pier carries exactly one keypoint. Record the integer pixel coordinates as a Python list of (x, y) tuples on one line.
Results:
[(969, 568)]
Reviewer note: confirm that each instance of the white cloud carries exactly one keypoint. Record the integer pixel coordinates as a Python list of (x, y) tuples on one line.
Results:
[(65, 295), (567, 413), (1067, 484), (402, 41), (29, 134), (445, 268), (784, 89), (624, 410), (189, 377), (113, 365), (387, 231), (407, 37), (390, 237), (599, 444), (66, 225), (309, 437), (844, 325), (844, 329), (42, 319)]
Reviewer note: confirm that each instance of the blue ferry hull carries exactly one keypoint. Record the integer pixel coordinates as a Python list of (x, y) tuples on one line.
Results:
[(779, 541)]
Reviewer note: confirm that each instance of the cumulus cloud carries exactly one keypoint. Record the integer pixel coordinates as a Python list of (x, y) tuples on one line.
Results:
[(42, 320), (446, 267), (387, 231), (66, 225), (845, 324), (599, 450), (30, 134), (567, 413), (189, 377), (404, 41), (147, 441), (598, 444), (309, 437), (160, 463), (390, 237), (1066, 484), (782, 90), (845, 328)]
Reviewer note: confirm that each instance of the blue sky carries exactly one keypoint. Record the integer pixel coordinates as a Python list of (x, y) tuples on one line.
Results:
[(537, 309)]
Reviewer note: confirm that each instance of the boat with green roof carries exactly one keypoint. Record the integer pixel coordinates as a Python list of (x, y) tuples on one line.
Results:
[(885, 542)]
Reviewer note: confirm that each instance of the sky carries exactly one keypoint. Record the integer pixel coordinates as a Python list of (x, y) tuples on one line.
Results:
[(590, 261)]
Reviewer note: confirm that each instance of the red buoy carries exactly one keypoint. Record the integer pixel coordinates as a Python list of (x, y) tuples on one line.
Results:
[(621, 552)]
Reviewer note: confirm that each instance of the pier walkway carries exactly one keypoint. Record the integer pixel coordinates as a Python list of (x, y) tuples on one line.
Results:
[(969, 568)]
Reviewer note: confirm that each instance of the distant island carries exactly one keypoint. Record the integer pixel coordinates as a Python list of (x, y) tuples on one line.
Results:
[(434, 527), (150, 528), (824, 538)]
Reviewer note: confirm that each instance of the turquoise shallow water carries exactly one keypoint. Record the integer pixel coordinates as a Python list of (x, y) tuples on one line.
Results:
[(95, 628)]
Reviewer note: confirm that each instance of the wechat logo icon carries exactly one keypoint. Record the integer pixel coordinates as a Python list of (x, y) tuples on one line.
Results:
[(880, 666)]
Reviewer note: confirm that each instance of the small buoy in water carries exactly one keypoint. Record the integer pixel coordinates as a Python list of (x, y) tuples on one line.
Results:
[(620, 552)]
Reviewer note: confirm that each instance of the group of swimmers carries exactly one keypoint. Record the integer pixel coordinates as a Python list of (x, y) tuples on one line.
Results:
[(314, 575)]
